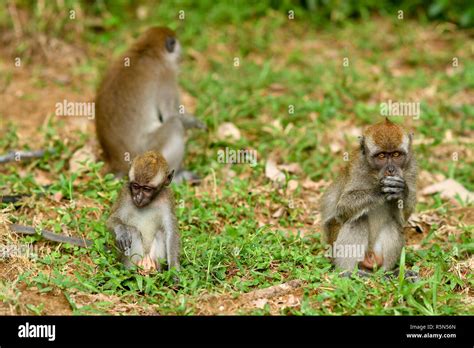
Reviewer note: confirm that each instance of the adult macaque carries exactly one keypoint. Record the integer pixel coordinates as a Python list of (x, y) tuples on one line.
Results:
[(138, 105), (371, 200)]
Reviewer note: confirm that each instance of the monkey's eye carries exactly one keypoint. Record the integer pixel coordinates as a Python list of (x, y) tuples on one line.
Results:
[(381, 156), (396, 154), (147, 189), (170, 43), (135, 186)]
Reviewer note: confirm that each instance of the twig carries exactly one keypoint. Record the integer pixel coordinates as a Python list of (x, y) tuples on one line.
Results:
[(54, 237), (13, 155)]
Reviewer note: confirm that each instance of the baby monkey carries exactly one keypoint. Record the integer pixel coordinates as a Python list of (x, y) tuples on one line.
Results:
[(143, 218), (369, 203)]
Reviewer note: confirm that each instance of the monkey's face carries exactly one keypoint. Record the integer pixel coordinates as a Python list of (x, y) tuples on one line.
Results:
[(388, 163), (142, 195), (172, 50), (387, 149)]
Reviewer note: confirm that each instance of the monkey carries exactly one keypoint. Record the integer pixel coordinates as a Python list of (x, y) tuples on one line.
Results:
[(371, 200), (143, 218), (138, 105)]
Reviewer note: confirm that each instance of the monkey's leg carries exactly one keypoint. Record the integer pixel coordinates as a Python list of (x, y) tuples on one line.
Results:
[(388, 245), (170, 141), (351, 244), (158, 250)]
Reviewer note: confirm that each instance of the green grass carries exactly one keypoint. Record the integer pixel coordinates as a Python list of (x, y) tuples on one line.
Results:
[(228, 245)]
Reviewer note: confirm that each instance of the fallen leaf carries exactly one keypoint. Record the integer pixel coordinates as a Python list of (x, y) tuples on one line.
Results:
[(42, 178), (58, 196), (292, 186), (313, 185), (449, 189), (260, 303), (279, 213), (290, 168), (272, 172), (80, 158), (228, 130)]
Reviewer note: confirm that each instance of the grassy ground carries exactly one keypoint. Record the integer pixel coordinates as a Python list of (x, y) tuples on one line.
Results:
[(241, 232)]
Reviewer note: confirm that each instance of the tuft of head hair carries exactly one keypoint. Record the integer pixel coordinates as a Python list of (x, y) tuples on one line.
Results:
[(149, 168), (385, 135), (153, 42)]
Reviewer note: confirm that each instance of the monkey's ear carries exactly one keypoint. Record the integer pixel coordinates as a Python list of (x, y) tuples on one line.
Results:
[(170, 43), (362, 144), (169, 178)]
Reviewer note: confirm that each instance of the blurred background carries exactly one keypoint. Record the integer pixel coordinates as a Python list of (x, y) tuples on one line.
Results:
[(310, 76)]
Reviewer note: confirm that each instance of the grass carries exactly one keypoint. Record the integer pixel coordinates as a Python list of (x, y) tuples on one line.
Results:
[(232, 241)]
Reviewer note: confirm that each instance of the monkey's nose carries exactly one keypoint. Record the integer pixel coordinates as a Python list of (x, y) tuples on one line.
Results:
[(390, 170), (138, 198)]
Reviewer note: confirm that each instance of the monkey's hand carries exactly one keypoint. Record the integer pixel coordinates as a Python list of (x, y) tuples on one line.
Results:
[(393, 187), (123, 237), (190, 121)]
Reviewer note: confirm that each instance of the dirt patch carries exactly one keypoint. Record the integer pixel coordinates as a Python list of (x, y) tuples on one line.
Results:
[(276, 298)]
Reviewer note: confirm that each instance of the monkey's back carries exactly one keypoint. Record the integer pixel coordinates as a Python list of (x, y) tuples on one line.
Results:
[(126, 109)]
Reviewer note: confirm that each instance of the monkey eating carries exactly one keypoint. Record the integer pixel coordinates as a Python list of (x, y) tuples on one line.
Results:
[(369, 203), (138, 105), (143, 218)]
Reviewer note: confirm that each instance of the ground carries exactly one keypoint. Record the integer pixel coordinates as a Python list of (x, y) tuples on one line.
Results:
[(250, 244)]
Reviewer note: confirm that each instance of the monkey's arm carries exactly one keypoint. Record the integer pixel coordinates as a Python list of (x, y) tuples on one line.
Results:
[(355, 203), (122, 232)]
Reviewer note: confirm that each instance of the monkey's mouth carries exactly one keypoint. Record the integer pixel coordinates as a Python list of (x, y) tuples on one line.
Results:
[(140, 204)]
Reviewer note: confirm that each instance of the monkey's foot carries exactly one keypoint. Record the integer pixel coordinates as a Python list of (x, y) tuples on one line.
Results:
[(360, 273), (410, 276), (187, 176), (371, 261), (147, 265)]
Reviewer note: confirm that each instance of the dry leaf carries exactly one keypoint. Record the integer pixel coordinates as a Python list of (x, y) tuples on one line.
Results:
[(42, 178), (228, 130), (290, 168), (313, 185), (278, 213), (272, 172), (449, 189), (260, 303), (292, 186), (80, 158), (58, 196)]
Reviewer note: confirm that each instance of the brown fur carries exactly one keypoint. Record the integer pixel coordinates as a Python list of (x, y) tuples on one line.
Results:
[(122, 86), (152, 42), (147, 166), (386, 134)]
